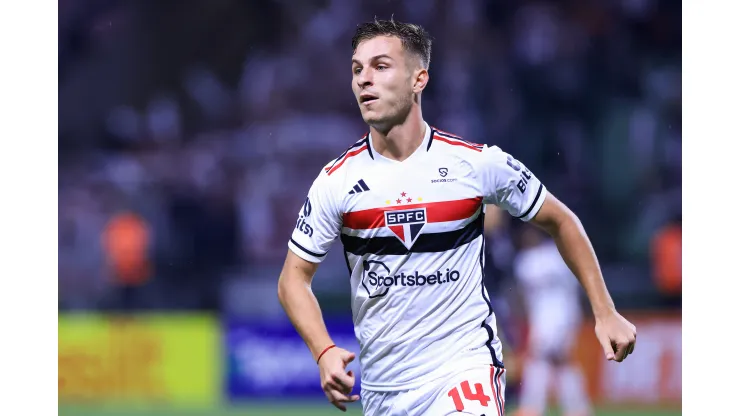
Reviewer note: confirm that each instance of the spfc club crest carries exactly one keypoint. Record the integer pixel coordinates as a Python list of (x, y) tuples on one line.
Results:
[(406, 224)]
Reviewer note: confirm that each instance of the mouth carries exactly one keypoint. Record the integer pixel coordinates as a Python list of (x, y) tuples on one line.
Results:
[(367, 99)]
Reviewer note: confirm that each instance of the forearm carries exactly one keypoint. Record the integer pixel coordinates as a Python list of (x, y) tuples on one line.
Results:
[(578, 253), (303, 309)]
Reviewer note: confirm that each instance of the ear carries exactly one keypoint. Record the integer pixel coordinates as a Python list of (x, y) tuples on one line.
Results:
[(421, 78)]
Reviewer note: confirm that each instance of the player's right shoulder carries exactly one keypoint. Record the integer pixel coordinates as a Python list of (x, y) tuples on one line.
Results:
[(349, 156)]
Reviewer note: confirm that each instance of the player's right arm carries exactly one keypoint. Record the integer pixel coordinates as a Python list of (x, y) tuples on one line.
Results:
[(300, 304), (319, 223)]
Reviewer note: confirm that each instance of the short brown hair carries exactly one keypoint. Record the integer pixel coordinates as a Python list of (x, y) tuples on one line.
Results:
[(413, 37)]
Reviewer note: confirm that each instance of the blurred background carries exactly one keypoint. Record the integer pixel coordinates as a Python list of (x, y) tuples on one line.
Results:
[(190, 132)]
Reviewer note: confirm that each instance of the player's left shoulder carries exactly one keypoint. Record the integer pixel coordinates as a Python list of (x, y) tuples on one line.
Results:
[(459, 155), (451, 143), (459, 150)]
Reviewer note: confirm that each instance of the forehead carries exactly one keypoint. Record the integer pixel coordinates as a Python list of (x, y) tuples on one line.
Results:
[(379, 45)]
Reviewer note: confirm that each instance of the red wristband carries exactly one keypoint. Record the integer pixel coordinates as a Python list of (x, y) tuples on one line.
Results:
[(324, 352)]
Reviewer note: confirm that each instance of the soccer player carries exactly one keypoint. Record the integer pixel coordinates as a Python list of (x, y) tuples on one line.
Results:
[(407, 202), (551, 298)]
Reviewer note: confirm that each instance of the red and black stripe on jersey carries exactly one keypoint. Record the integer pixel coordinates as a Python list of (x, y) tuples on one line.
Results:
[(453, 140), (354, 150), (436, 212)]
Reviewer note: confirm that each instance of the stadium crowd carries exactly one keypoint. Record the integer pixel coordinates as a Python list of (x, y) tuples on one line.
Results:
[(185, 157)]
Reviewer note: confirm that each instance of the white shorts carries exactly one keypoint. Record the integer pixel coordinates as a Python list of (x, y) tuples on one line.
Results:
[(478, 392), (553, 338)]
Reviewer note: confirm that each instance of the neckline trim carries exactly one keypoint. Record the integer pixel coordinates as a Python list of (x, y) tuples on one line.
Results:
[(423, 147)]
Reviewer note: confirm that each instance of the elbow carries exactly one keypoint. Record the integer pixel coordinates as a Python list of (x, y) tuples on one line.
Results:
[(569, 217), (281, 290), (568, 223), (286, 286), (295, 276), (557, 218)]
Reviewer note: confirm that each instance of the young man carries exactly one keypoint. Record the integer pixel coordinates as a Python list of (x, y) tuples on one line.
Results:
[(552, 301), (407, 203)]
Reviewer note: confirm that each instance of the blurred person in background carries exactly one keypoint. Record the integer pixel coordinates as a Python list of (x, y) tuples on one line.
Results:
[(416, 360), (666, 254), (126, 239), (552, 299)]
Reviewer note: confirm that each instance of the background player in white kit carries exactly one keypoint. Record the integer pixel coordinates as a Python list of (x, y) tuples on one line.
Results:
[(407, 203), (551, 297)]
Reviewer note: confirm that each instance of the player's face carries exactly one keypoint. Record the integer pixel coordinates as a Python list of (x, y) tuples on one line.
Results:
[(383, 81)]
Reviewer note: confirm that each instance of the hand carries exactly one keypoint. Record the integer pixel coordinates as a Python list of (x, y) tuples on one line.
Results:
[(616, 335), (336, 383)]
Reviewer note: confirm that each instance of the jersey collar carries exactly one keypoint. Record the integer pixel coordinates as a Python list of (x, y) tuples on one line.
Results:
[(421, 149)]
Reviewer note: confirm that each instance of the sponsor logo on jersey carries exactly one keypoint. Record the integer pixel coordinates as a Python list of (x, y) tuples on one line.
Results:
[(377, 279), (443, 180), (443, 173), (524, 174), (302, 225), (306, 208), (360, 186), (406, 224)]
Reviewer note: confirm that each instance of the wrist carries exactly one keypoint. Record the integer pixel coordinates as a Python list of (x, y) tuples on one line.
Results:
[(319, 348), (601, 312), (324, 351)]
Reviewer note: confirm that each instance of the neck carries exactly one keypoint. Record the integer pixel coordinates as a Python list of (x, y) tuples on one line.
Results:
[(400, 141)]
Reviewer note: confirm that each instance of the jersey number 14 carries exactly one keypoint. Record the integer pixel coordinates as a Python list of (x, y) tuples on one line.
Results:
[(468, 394)]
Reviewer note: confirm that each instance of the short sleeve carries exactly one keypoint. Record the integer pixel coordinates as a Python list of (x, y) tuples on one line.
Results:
[(508, 184), (318, 223)]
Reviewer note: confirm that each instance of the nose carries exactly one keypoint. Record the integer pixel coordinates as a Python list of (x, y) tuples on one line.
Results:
[(364, 79)]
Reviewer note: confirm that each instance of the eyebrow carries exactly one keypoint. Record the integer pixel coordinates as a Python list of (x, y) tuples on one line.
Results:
[(374, 58)]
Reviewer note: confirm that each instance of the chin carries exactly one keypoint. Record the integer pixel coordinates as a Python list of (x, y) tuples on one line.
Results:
[(379, 124), (373, 119)]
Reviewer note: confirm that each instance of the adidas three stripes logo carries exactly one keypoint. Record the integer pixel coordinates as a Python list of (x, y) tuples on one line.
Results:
[(360, 186)]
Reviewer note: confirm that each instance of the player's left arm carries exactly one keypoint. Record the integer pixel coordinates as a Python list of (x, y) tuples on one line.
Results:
[(507, 183), (616, 335)]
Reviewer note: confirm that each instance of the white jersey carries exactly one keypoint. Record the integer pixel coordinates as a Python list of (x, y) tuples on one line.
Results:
[(548, 283), (551, 295), (412, 233)]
